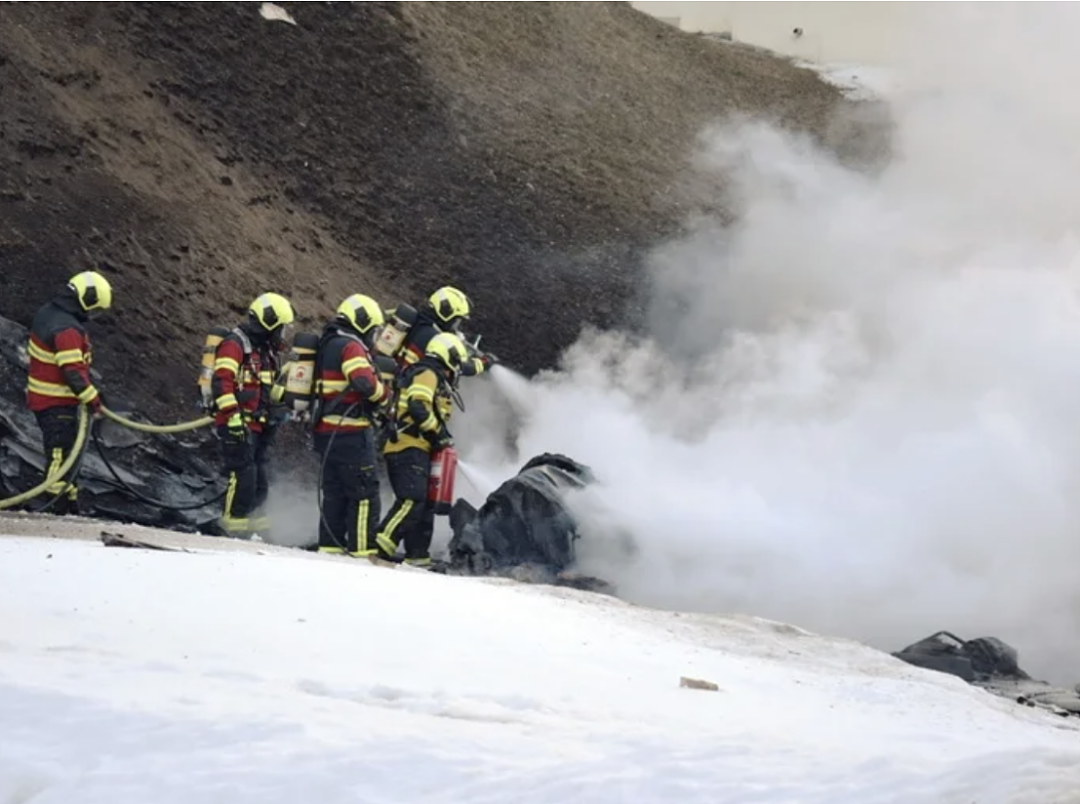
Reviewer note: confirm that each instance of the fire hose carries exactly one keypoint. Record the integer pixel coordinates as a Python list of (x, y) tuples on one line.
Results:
[(182, 427), (76, 454), (63, 469)]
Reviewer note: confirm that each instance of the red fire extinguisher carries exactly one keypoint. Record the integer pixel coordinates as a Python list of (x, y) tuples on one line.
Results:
[(441, 479)]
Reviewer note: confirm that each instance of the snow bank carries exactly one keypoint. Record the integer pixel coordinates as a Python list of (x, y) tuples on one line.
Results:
[(135, 676)]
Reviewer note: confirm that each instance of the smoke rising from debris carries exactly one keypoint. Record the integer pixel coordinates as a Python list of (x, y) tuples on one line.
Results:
[(857, 410)]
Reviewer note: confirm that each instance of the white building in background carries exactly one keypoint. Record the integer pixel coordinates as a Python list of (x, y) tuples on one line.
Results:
[(869, 33)]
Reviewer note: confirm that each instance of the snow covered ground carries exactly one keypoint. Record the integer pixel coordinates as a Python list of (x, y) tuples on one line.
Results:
[(132, 676)]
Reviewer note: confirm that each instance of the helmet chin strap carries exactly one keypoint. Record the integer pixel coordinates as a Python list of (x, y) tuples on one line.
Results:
[(259, 335)]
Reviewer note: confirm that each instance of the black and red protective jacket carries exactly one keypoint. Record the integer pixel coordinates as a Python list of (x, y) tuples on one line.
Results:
[(345, 376), (243, 374), (60, 357)]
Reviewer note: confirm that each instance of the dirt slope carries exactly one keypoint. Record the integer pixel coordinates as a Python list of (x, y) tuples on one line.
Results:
[(200, 153)]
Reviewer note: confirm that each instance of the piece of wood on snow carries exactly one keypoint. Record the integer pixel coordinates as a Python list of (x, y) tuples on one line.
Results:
[(120, 540), (698, 684)]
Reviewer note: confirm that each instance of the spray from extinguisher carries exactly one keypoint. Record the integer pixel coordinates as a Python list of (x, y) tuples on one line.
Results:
[(441, 479), (482, 482)]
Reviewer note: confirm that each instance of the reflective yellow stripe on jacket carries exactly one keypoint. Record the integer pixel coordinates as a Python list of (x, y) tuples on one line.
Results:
[(346, 421), (50, 389), (65, 358)]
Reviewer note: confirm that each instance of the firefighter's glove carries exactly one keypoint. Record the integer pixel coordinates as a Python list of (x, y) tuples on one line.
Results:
[(236, 430), (473, 366), (236, 446), (443, 439)]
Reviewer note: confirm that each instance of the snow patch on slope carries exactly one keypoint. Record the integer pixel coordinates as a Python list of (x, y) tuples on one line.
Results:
[(860, 82), (274, 12)]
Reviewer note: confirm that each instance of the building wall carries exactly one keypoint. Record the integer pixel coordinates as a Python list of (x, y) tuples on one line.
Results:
[(857, 32)]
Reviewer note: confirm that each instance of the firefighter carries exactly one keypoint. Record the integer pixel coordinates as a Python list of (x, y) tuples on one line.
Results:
[(350, 396), (424, 405), (444, 311), (246, 363), (59, 378)]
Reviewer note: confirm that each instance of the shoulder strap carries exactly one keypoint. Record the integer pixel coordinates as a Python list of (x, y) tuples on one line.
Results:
[(324, 340), (245, 341), (337, 332), (352, 336)]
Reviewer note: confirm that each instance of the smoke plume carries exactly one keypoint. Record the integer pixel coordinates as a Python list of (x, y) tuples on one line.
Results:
[(857, 409)]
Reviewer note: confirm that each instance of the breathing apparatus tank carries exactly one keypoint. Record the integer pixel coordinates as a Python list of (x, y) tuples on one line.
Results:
[(206, 371), (441, 480), (394, 331), (295, 387)]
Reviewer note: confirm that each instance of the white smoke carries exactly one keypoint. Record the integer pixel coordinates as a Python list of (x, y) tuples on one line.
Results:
[(858, 410)]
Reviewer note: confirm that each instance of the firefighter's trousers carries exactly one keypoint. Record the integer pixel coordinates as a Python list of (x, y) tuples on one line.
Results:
[(59, 431), (412, 518), (350, 492), (245, 464)]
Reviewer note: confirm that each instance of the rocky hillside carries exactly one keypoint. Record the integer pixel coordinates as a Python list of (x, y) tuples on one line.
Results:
[(200, 153)]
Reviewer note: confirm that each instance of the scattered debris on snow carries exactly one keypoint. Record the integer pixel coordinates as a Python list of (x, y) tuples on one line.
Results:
[(989, 663), (698, 684)]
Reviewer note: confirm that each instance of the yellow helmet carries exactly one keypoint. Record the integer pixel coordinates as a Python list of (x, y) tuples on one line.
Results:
[(362, 312), (449, 304), (271, 311), (92, 290), (448, 349)]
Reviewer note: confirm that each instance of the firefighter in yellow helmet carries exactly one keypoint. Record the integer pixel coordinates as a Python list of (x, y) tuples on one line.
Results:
[(246, 364), (422, 415), (444, 311), (350, 395), (59, 379)]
